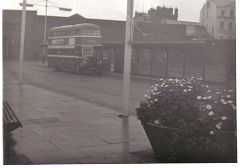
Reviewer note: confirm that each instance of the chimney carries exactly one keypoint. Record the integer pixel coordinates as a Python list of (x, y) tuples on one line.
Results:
[(176, 12)]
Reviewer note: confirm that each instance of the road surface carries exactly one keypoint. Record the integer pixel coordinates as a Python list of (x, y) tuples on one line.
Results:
[(105, 90)]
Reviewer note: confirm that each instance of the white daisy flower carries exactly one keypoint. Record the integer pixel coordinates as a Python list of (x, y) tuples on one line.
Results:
[(228, 96), (211, 113), (223, 118), (156, 122), (222, 100), (218, 126), (211, 132), (199, 97), (209, 107)]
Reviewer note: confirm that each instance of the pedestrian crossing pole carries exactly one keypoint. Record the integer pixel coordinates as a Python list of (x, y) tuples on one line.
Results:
[(127, 59), (22, 41)]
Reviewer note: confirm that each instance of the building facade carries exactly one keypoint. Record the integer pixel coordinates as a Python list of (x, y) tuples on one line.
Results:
[(218, 17), (169, 16), (181, 49)]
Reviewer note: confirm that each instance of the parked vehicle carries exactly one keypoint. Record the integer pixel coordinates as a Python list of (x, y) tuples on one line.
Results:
[(75, 48)]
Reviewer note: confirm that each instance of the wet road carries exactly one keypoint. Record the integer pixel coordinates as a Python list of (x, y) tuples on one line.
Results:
[(103, 90)]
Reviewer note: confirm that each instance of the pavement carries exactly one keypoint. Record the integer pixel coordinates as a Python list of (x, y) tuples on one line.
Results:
[(60, 129)]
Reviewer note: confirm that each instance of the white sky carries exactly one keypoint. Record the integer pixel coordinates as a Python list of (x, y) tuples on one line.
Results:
[(111, 9)]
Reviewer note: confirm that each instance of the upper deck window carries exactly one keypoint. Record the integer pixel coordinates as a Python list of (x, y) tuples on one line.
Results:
[(75, 32), (86, 32)]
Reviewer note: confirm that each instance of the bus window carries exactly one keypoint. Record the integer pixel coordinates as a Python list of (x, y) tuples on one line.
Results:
[(68, 33), (76, 32), (95, 32), (87, 51), (85, 32)]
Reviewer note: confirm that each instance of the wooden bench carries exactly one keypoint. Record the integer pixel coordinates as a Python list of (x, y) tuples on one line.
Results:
[(10, 120)]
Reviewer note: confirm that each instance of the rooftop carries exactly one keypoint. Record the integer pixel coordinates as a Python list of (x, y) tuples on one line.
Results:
[(223, 3)]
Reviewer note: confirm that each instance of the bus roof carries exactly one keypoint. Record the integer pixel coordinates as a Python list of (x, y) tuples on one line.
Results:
[(82, 25)]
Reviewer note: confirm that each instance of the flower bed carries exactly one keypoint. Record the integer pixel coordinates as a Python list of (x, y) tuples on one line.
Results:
[(188, 121)]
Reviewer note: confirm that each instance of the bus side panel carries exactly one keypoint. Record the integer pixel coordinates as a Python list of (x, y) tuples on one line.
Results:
[(67, 64)]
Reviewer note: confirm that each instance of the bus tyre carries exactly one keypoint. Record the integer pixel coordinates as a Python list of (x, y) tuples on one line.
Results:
[(77, 69)]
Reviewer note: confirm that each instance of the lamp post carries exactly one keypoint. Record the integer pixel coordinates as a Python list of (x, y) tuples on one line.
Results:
[(22, 41), (45, 35), (127, 59)]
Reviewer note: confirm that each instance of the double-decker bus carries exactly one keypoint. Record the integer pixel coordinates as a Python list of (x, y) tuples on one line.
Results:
[(75, 48)]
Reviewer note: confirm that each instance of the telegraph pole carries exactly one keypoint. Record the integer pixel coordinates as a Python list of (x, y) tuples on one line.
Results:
[(22, 41), (127, 59), (45, 35)]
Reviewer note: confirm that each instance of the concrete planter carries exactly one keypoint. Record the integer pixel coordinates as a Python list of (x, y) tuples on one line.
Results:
[(172, 145)]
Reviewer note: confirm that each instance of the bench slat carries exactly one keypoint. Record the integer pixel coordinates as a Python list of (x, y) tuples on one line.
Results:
[(11, 122), (6, 114), (12, 115)]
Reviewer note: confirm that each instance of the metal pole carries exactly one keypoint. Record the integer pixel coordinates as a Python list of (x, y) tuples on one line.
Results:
[(127, 59), (22, 41), (45, 35)]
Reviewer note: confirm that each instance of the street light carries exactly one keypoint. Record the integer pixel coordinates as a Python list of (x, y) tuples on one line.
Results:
[(127, 59), (45, 24), (22, 41), (27, 5)]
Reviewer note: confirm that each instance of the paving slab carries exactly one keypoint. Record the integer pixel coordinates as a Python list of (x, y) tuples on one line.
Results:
[(78, 142), (35, 148), (119, 158), (55, 157), (60, 129)]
